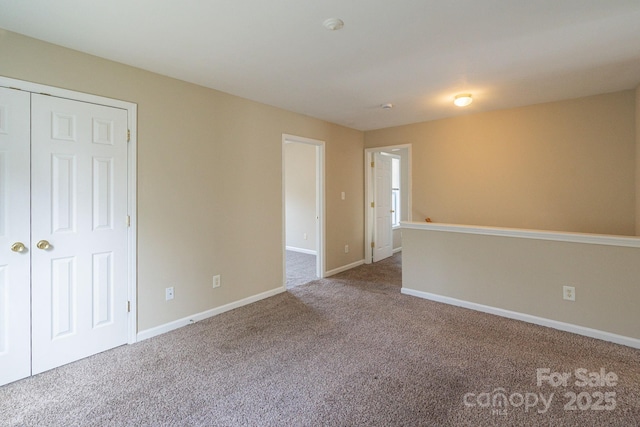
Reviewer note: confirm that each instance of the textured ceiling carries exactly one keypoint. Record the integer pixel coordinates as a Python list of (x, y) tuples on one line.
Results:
[(416, 54)]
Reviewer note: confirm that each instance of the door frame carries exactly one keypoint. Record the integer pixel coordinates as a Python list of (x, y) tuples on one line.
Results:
[(320, 204), (369, 196), (132, 117)]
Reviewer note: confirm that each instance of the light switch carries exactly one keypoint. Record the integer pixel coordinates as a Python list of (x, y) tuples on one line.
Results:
[(343, 196)]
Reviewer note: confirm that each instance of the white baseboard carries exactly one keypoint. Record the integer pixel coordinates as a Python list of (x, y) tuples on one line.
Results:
[(343, 268), (158, 330), (396, 250), (301, 250), (554, 324)]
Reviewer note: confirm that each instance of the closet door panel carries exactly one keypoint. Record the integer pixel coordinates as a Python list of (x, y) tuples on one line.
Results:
[(79, 209), (15, 292)]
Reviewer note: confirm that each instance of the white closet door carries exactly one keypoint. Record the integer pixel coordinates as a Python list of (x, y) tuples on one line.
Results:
[(15, 291), (79, 230), (383, 237)]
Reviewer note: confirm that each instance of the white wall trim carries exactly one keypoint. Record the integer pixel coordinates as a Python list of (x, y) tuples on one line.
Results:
[(396, 250), (343, 268), (167, 327), (63, 93), (554, 324), (559, 236), (301, 250)]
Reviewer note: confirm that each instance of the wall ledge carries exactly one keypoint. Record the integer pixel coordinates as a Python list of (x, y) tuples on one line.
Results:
[(549, 323), (558, 236)]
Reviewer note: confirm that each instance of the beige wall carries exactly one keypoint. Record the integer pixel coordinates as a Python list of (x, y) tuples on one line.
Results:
[(638, 161), (567, 166), (527, 275), (397, 238), (209, 179), (300, 195)]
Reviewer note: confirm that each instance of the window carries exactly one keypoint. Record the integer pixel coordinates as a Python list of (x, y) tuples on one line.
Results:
[(395, 191)]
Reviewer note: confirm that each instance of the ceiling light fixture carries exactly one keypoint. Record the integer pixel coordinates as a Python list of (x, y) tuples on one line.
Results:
[(387, 106), (463, 99), (333, 24)]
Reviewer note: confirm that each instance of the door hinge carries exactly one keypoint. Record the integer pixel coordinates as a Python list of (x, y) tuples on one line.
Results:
[(373, 164), (128, 306), (128, 221), (373, 244), (373, 204), (128, 135)]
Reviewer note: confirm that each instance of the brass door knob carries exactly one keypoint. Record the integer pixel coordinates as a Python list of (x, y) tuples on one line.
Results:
[(43, 244), (18, 247)]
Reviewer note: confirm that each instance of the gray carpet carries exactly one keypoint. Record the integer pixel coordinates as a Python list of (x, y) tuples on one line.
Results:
[(344, 351), (301, 268)]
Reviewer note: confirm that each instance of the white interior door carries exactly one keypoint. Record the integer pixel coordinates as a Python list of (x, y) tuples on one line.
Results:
[(79, 230), (15, 291), (383, 238)]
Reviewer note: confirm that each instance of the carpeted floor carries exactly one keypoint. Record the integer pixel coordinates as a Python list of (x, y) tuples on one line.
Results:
[(301, 268), (349, 350)]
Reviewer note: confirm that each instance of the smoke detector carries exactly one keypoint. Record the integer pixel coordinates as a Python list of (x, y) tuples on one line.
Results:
[(333, 24)]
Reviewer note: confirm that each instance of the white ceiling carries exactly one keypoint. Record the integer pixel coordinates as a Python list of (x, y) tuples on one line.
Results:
[(416, 54)]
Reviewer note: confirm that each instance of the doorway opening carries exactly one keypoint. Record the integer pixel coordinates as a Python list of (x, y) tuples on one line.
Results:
[(387, 199), (303, 209)]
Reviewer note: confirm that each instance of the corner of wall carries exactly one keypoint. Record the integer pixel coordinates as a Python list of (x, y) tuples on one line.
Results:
[(638, 161)]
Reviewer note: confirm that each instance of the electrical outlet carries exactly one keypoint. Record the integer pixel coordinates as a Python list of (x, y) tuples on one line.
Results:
[(216, 281), (569, 293), (304, 236), (346, 249), (168, 293)]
